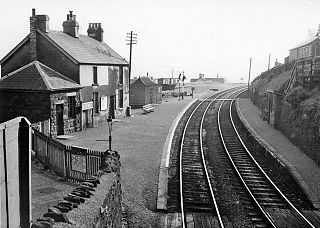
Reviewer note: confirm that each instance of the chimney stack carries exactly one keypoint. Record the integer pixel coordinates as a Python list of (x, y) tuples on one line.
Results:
[(71, 26), (37, 22), (95, 31)]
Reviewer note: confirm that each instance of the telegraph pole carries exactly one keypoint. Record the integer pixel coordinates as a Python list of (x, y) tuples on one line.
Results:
[(269, 62), (132, 40), (249, 74)]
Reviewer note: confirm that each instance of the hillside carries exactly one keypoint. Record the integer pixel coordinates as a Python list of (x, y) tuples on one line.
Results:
[(299, 111), (271, 82)]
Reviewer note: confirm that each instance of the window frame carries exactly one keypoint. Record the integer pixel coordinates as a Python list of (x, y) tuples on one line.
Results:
[(95, 75), (120, 98), (71, 107)]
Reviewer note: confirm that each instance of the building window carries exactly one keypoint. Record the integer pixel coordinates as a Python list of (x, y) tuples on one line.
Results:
[(121, 76), (96, 102), (120, 98), (95, 76), (72, 107)]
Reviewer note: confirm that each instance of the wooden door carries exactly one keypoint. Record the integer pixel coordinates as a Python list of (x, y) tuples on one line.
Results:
[(59, 119)]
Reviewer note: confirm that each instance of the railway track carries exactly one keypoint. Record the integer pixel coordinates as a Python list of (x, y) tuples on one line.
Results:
[(196, 191), (267, 205), (236, 194)]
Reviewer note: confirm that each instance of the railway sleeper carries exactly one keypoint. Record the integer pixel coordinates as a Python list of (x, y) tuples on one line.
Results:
[(245, 173), (196, 208), (252, 185), (261, 189), (191, 192), (269, 200), (273, 204), (254, 181), (266, 194), (253, 178)]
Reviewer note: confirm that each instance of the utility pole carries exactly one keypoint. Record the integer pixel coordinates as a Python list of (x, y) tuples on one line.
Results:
[(249, 75), (132, 40), (179, 87), (183, 77), (269, 62)]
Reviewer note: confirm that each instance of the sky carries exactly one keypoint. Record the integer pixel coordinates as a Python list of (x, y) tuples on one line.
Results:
[(195, 36)]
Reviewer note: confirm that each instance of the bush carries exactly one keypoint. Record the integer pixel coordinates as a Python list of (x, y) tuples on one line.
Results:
[(296, 96)]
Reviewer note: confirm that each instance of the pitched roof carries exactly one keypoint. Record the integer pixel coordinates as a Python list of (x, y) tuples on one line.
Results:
[(306, 41), (145, 81), (85, 49), (37, 77)]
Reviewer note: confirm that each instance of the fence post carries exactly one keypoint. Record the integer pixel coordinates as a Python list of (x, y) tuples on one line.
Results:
[(87, 157), (65, 161), (47, 162)]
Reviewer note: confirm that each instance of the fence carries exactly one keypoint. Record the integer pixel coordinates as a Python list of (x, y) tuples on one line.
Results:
[(74, 163)]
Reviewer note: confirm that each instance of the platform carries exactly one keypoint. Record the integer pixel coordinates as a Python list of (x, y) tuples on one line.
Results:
[(304, 170)]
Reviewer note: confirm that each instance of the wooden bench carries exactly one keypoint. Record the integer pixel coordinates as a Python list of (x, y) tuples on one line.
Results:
[(147, 108)]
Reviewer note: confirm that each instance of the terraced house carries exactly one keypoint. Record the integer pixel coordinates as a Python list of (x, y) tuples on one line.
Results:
[(86, 60)]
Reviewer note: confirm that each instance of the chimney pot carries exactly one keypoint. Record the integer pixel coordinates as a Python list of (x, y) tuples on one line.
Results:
[(95, 31), (71, 26), (33, 12)]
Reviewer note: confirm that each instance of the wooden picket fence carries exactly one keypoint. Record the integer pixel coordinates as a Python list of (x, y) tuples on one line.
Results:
[(73, 163)]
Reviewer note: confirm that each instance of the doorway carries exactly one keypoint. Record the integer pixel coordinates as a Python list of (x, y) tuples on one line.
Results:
[(112, 106), (59, 119), (85, 119)]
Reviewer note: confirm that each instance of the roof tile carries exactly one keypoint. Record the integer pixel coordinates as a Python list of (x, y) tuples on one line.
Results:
[(86, 49), (37, 77)]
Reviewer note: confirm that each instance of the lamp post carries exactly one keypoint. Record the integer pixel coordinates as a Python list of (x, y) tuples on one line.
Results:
[(109, 121)]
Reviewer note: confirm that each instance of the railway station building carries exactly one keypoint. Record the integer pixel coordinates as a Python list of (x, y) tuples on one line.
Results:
[(48, 99), (145, 91), (100, 72)]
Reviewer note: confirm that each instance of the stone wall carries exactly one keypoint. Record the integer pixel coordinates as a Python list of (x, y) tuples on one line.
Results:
[(302, 128), (111, 209), (99, 197), (69, 125)]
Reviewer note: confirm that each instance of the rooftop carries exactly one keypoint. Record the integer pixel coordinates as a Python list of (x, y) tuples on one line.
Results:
[(36, 76)]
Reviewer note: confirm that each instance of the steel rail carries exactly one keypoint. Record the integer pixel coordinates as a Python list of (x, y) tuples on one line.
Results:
[(264, 173), (180, 155), (237, 171)]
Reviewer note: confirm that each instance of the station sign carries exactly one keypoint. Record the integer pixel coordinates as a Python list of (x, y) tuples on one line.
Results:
[(87, 105)]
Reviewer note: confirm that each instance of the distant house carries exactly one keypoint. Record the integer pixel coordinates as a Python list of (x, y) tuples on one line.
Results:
[(202, 79), (307, 48), (144, 91), (306, 57), (85, 59), (167, 83), (49, 100)]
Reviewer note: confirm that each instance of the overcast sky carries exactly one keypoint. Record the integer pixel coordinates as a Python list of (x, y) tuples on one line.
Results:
[(197, 36)]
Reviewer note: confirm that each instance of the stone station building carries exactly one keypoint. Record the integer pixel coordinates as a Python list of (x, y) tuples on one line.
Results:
[(102, 74), (47, 98)]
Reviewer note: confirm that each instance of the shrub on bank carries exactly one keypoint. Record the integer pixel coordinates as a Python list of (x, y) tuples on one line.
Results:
[(300, 120)]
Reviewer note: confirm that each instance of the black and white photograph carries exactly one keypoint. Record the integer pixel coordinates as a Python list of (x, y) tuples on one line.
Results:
[(160, 113)]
